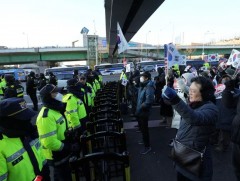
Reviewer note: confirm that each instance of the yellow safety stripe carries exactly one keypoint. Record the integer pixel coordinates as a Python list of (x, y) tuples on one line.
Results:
[(20, 95), (48, 134), (4, 176)]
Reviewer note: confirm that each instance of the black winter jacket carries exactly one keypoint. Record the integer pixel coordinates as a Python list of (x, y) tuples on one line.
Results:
[(231, 99)]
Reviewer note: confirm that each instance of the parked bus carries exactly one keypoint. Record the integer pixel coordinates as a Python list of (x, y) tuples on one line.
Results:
[(17, 73), (30, 68), (109, 69), (57, 70)]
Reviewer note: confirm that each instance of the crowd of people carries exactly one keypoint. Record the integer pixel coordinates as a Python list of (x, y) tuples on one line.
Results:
[(41, 151), (208, 109)]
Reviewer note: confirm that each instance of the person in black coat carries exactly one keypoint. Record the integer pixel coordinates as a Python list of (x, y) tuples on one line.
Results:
[(224, 122), (42, 81), (159, 83), (52, 79), (166, 110), (231, 99), (32, 89)]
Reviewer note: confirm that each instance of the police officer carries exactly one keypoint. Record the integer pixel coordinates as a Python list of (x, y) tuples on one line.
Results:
[(100, 78), (13, 88), (2, 86), (87, 90), (52, 127), (75, 110), (52, 79), (97, 79), (32, 89), (42, 81), (21, 156)]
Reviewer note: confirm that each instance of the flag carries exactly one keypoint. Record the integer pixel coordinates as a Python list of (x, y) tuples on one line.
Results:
[(234, 59), (128, 67), (172, 56), (124, 82), (213, 57), (121, 41)]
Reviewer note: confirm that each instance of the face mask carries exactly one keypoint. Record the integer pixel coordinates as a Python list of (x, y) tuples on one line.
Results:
[(59, 97), (142, 79)]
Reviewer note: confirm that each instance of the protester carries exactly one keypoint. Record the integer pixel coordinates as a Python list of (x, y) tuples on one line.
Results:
[(144, 104), (166, 110), (197, 124), (231, 99)]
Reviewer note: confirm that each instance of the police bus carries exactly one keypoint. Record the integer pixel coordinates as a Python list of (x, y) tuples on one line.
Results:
[(110, 69), (142, 64), (17, 73), (63, 74), (70, 70)]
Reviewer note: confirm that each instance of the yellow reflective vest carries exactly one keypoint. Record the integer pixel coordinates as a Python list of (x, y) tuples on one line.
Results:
[(3, 85), (123, 76), (51, 127), (75, 110), (15, 164)]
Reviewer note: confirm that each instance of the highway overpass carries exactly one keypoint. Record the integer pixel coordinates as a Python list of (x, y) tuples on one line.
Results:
[(60, 54)]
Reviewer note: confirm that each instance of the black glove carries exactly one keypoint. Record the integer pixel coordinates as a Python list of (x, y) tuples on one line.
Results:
[(230, 85)]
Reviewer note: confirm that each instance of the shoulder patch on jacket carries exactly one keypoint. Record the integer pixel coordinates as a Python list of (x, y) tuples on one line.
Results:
[(45, 113)]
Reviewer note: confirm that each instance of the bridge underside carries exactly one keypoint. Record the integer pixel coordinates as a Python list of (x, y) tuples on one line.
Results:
[(131, 15)]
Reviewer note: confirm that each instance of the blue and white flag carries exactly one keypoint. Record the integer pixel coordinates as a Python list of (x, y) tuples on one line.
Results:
[(213, 57), (121, 41), (172, 56), (234, 59)]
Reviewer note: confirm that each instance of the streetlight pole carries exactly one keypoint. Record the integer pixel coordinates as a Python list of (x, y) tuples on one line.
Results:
[(207, 32), (147, 42)]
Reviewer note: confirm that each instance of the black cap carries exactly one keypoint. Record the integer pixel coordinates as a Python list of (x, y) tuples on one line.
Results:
[(48, 89), (16, 108), (146, 74)]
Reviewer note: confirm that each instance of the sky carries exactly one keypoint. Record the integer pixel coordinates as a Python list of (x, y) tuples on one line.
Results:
[(35, 23)]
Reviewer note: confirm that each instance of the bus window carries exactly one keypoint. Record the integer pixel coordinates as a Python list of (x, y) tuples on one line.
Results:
[(56, 70)]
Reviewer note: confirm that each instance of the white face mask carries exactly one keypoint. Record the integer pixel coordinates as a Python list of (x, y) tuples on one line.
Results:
[(142, 79), (59, 97)]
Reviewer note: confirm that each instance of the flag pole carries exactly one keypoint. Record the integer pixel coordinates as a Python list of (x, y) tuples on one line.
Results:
[(166, 62)]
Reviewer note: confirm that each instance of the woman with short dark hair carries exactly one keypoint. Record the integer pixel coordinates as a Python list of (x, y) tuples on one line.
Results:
[(197, 124)]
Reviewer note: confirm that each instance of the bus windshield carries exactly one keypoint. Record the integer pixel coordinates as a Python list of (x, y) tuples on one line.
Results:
[(59, 70)]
